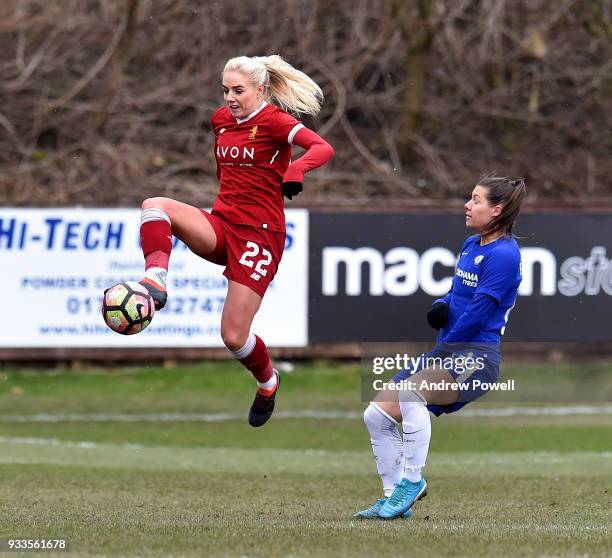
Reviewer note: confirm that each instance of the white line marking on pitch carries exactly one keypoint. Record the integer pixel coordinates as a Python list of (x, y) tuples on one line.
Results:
[(533, 457), (61, 443), (323, 415)]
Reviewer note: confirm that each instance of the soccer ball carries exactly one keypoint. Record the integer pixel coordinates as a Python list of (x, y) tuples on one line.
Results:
[(127, 307)]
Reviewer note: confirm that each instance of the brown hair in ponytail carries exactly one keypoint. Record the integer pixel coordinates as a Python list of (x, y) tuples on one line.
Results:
[(507, 192)]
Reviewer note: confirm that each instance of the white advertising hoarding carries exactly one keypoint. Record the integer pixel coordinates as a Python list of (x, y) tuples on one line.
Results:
[(55, 264)]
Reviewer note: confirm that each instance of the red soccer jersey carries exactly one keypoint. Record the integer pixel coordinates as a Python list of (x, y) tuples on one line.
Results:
[(252, 155)]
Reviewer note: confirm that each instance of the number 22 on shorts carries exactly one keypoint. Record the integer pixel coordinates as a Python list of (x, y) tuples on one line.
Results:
[(252, 251)]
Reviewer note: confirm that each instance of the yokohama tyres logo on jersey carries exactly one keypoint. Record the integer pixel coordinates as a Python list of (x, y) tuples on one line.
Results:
[(469, 279)]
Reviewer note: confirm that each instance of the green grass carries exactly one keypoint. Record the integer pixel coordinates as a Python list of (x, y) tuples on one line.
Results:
[(506, 486)]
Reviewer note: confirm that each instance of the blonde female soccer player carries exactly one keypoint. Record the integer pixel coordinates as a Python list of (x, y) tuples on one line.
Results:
[(245, 231)]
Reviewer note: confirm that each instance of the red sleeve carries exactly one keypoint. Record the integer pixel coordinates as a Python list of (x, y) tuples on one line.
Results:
[(317, 154), (284, 126)]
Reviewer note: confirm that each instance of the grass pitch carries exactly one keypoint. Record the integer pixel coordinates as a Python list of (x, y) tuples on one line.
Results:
[(188, 477)]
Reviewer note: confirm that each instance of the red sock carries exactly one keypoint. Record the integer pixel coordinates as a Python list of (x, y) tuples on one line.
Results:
[(156, 240), (258, 362)]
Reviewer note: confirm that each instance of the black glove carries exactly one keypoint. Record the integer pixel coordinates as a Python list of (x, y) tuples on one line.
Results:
[(291, 189), (438, 315)]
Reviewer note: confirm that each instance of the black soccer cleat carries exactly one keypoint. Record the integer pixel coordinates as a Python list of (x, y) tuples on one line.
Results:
[(263, 406), (157, 292)]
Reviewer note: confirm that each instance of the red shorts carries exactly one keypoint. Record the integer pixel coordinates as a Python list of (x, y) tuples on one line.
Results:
[(250, 255)]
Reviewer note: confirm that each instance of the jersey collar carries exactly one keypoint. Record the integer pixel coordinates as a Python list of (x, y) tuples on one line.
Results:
[(257, 111)]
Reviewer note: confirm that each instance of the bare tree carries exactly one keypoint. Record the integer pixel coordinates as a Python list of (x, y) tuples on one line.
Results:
[(103, 102)]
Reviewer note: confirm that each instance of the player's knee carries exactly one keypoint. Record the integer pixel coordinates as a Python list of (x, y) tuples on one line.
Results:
[(412, 396), (375, 418), (233, 339), (155, 203)]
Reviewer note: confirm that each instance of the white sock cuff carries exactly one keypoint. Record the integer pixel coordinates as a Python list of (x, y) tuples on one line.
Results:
[(153, 214), (247, 348), (269, 384), (383, 413), (157, 274)]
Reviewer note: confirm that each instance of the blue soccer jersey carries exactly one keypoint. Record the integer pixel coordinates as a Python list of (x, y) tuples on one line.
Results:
[(483, 291)]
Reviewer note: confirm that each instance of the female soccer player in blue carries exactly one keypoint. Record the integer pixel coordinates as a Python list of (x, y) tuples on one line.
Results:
[(471, 319)]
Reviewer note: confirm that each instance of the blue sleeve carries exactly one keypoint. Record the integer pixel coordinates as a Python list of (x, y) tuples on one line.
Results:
[(445, 299), (470, 323), (499, 273)]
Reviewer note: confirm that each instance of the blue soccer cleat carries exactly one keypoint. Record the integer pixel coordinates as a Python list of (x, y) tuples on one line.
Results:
[(405, 494), (372, 511)]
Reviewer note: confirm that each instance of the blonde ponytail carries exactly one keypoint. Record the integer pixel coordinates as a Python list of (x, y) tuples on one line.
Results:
[(283, 84)]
